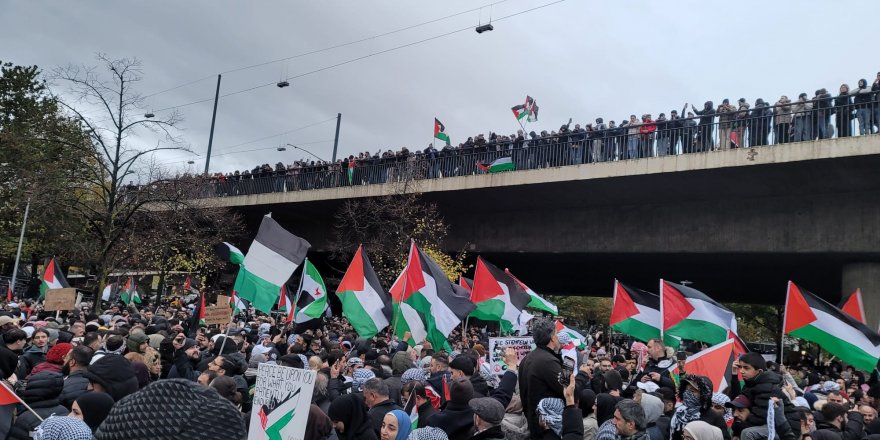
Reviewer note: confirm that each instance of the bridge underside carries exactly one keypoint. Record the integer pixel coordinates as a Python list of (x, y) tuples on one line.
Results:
[(738, 232)]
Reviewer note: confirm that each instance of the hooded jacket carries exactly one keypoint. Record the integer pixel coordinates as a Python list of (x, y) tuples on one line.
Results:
[(760, 390), (28, 360), (783, 111), (114, 373), (75, 385), (538, 378), (41, 393)]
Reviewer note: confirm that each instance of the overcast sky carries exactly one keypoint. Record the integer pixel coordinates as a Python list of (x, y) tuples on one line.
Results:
[(578, 59)]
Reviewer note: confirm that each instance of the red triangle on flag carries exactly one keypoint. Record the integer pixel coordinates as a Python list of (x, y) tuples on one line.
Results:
[(854, 307), (49, 273), (713, 362), (797, 312), (485, 285), (674, 305), (623, 307), (353, 280), (7, 397), (413, 277)]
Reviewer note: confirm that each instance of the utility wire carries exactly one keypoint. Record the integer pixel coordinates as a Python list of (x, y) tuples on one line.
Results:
[(328, 48), (311, 72)]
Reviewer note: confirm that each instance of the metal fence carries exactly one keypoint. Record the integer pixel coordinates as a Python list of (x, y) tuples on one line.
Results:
[(760, 127)]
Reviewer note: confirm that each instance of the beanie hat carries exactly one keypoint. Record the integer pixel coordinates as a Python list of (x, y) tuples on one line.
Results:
[(461, 391), (188, 343), (115, 374), (135, 340), (464, 363), (94, 407), (56, 354), (62, 428), (171, 409)]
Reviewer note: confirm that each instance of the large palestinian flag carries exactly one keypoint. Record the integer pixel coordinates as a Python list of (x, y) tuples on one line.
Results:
[(425, 303), (811, 318), (497, 296), (635, 312), (312, 299), (52, 279), (853, 306), (535, 300), (687, 313), (269, 263), (364, 302), (714, 362)]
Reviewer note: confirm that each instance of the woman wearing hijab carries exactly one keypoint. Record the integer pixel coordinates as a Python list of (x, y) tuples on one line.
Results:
[(587, 404), (695, 393), (395, 426), (350, 419), (318, 426), (92, 408), (700, 430)]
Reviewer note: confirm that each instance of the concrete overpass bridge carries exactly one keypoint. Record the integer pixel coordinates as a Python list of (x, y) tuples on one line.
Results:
[(737, 223)]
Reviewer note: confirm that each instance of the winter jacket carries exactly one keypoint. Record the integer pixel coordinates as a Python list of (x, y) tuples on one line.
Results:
[(41, 393), (481, 388), (591, 426), (782, 111), (572, 427), (493, 433), (8, 361), (426, 410), (457, 420), (726, 115), (660, 366), (539, 378), (75, 385), (802, 108), (28, 360), (853, 430), (378, 411), (759, 391)]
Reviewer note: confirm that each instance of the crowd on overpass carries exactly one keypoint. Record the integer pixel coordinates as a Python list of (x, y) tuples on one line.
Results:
[(849, 112)]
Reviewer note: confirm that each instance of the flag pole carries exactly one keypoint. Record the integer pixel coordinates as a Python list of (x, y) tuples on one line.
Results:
[(21, 401), (662, 318)]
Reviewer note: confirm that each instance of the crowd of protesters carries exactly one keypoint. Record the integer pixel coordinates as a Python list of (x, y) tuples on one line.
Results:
[(129, 374), (825, 115)]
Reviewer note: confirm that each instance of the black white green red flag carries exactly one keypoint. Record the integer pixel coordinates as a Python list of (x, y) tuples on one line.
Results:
[(311, 301), (636, 312), (497, 296), (440, 131), (813, 319), (425, 302), (535, 301), (853, 306), (365, 303), (53, 278), (687, 313)]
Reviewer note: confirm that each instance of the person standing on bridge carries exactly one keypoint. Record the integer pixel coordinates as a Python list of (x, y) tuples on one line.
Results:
[(803, 119), (782, 118), (704, 130)]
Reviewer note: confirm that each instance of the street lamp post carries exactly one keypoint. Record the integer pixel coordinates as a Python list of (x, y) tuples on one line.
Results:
[(27, 210), (213, 119), (307, 151)]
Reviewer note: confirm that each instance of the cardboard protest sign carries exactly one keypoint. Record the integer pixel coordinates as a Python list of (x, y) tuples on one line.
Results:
[(217, 315), (282, 396), (60, 299), (497, 346), (223, 300)]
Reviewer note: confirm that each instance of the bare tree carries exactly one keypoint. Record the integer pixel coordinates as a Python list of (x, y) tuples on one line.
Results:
[(122, 138)]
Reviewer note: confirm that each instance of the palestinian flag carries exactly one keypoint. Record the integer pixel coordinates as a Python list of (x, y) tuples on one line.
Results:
[(413, 410), (228, 252), (812, 319), (285, 303), (498, 165), (579, 339), (519, 112), (109, 291), (312, 298), (52, 279), (439, 129), (130, 293), (532, 109), (687, 313), (853, 306), (201, 311), (238, 305), (269, 263), (425, 303), (466, 283), (497, 296), (714, 362), (535, 301), (7, 396), (364, 302), (350, 171), (635, 312), (9, 292)]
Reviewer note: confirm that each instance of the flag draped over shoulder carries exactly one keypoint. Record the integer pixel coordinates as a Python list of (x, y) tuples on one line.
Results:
[(364, 302), (53, 278), (811, 318), (635, 312), (425, 302), (439, 131), (687, 313), (497, 296), (268, 264), (312, 298)]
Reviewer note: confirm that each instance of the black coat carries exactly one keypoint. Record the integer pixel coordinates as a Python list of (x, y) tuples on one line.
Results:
[(75, 385), (426, 410), (538, 378), (760, 390), (457, 420), (377, 414), (493, 433), (572, 426), (661, 367), (41, 393)]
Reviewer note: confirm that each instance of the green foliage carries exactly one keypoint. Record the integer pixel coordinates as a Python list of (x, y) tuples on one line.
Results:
[(579, 309), (756, 322)]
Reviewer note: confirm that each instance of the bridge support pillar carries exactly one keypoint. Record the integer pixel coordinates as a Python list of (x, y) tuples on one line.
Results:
[(865, 276)]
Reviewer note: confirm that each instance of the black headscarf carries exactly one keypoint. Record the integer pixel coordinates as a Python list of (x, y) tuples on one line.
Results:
[(351, 410), (94, 407), (587, 400), (605, 404)]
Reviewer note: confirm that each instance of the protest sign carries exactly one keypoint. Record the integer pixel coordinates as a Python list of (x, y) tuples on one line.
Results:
[(282, 396), (217, 315), (60, 299), (223, 300), (522, 346)]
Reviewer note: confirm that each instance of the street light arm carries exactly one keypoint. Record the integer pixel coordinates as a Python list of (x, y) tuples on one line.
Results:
[(307, 151)]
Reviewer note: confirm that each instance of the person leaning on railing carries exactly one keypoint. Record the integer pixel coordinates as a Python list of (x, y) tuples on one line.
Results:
[(782, 118)]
